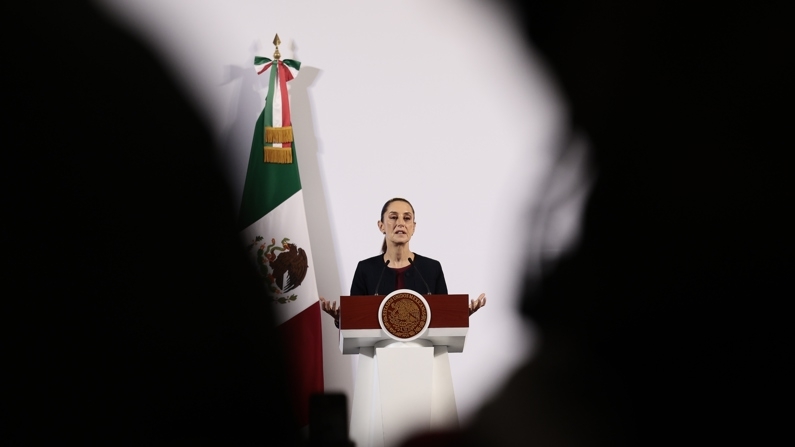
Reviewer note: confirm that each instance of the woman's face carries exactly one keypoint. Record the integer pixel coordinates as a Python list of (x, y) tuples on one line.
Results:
[(398, 222)]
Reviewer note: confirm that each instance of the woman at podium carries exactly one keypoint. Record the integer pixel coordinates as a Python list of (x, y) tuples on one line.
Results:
[(397, 267)]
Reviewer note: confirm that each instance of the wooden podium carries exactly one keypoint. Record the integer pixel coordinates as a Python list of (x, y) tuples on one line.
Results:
[(403, 383)]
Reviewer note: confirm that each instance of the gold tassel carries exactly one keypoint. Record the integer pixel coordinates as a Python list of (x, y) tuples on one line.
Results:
[(281, 155), (279, 134)]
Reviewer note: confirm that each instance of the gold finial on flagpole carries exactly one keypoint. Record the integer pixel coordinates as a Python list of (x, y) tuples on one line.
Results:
[(277, 41)]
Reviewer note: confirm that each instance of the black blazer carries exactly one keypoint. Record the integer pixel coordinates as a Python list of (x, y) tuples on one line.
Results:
[(369, 271)]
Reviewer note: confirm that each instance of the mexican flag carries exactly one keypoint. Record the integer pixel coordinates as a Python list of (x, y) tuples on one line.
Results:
[(273, 222)]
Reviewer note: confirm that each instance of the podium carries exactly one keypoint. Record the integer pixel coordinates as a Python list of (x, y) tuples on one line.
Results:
[(403, 381)]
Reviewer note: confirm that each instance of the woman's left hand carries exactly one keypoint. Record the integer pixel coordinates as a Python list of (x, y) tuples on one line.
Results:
[(476, 304)]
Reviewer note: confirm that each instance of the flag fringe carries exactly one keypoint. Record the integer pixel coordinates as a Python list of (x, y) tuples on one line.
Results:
[(281, 155), (279, 134)]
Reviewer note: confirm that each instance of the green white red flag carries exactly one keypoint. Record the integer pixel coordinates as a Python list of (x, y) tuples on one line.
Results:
[(273, 221)]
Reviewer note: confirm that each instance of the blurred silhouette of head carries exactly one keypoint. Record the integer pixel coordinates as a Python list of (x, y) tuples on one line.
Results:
[(661, 324), (136, 317)]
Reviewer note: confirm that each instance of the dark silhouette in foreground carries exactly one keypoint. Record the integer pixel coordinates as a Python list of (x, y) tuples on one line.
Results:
[(132, 314), (664, 325)]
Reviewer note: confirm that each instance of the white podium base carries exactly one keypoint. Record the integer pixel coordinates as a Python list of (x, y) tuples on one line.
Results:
[(401, 388)]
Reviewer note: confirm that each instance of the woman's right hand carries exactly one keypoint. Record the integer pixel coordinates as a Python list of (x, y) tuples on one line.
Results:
[(330, 307)]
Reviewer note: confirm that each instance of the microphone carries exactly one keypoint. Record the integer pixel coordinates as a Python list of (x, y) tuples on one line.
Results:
[(411, 261), (381, 276)]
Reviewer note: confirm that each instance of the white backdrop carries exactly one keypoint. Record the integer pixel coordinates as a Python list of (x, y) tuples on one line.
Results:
[(434, 101)]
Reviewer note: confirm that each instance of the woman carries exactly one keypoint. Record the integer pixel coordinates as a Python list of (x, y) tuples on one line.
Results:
[(397, 267)]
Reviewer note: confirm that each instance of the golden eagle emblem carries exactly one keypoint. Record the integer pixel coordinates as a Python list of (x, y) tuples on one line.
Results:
[(283, 266), (404, 315)]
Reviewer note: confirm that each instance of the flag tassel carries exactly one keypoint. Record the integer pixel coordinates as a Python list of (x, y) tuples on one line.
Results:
[(281, 155), (279, 134)]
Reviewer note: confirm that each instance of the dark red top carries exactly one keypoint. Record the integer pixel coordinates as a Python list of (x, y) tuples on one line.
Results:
[(399, 284), (399, 276)]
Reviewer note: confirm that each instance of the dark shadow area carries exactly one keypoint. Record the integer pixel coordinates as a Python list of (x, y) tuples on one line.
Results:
[(666, 324), (132, 316), (328, 421)]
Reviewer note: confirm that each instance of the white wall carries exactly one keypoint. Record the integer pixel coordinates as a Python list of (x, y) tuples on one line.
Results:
[(434, 101)]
